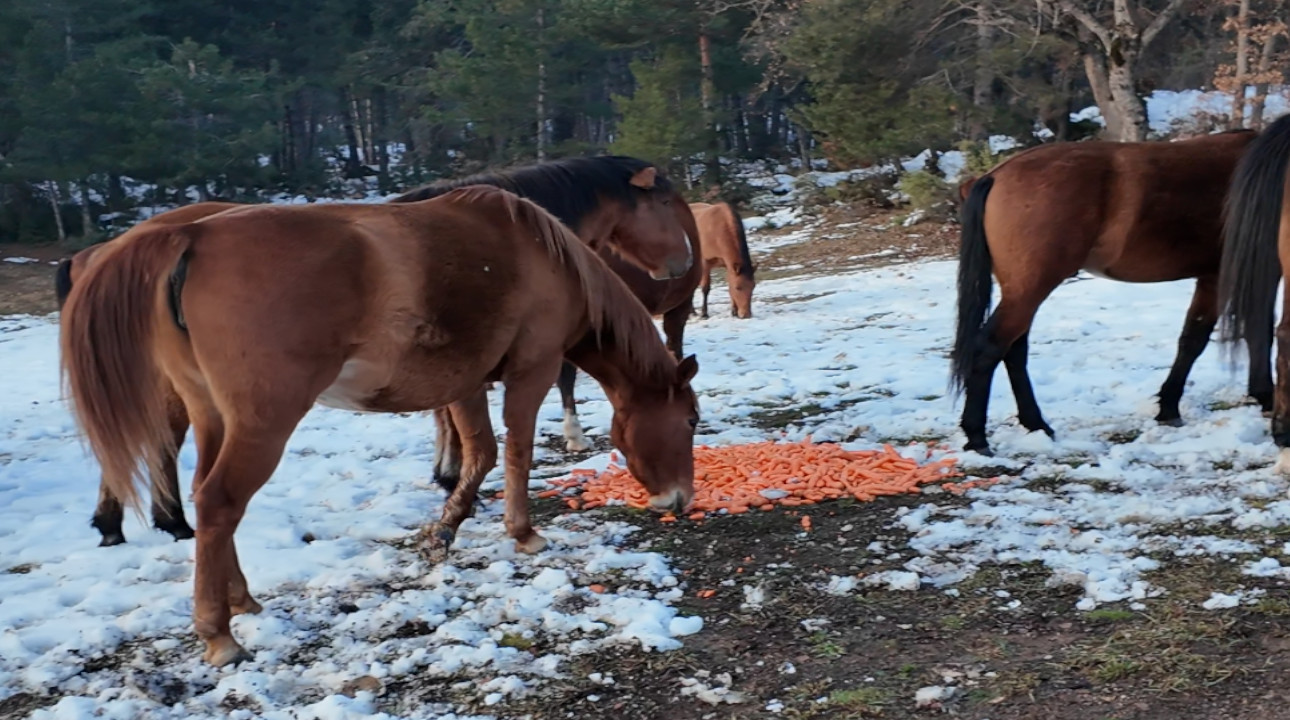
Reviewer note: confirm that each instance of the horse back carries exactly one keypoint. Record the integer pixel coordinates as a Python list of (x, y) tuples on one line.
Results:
[(1134, 211)]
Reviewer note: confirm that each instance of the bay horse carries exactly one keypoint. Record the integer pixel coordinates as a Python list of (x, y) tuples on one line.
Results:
[(1135, 212), (1256, 257), (596, 197), (618, 204), (725, 242), (254, 314)]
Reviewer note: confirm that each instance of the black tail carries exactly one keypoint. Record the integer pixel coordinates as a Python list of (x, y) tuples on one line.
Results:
[(975, 282), (745, 258), (1247, 281), (63, 281)]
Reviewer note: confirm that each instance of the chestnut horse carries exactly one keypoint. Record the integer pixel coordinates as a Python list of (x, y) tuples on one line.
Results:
[(617, 203), (584, 193), (1255, 259), (167, 509), (1134, 212), (724, 242), (255, 314)]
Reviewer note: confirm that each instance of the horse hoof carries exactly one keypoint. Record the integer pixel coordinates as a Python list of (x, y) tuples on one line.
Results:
[(436, 541), (1171, 422), (577, 445), (247, 607), (112, 539), (225, 651), (979, 449), (531, 545), (179, 531)]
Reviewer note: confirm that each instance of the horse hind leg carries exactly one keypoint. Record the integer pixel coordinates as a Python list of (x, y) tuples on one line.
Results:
[(1028, 413), (574, 439), (108, 515), (479, 456), (1201, 318), (245, 462), (167, 508), (1260, 382), (1006, 325), (674, 327)]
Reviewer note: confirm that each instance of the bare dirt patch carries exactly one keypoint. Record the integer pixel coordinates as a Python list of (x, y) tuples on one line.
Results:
[(27, 288)]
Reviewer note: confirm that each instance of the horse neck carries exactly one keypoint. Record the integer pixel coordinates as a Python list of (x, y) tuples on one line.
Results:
[(606, 362), (597, 228)]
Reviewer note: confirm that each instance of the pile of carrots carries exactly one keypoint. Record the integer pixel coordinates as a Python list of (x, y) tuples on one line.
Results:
[(739, 478)]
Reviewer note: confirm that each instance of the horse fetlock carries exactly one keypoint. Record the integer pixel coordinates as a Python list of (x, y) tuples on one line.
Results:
[(1283, 462), (245, 606), (111, 538), (531, 544), (223, 650), (436, 541)]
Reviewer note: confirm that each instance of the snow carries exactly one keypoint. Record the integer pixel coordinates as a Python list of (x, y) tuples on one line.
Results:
[(350, 603), (869, 347)]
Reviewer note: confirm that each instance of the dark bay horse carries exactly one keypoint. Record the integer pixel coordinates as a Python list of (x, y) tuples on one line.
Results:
[(619, 205), (254, 314), (599, 198), (1134, 212), (1256, 257), (725, 243)]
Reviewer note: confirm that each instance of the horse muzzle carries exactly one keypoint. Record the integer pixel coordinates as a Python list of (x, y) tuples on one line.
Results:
[(673, 501)]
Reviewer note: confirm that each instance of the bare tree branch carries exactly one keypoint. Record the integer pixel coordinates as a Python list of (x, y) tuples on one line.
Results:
[(1102, 32), (1161, 20)]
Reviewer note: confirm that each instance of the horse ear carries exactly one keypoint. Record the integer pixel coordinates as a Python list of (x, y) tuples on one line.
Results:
[(687, 369), (645, 178)]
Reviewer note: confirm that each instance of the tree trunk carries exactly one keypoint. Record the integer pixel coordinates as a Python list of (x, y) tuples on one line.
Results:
[(51, 189), (87, 221), (1124, 94), (369, 143), (348, 110), (983, 78), (1242, 65), (1261, 89), (541, 88), (1098, 81), (712, 164)]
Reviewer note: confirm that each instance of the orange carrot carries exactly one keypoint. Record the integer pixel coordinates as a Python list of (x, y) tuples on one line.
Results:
[(739, 478)]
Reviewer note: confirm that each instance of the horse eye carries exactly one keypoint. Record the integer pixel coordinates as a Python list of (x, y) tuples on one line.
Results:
[(694, 422)]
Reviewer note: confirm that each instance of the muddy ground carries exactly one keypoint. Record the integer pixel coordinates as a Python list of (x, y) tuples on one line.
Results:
[(1010, 646)]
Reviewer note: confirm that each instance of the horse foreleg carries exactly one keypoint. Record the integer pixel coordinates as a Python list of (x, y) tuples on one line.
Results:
[(447, 451), (1201, 318), (674, 327), (1015, 360), (525, 391), (574, 439), (479, 456)]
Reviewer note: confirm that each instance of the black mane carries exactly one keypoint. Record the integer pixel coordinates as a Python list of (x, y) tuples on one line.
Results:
[(570, 189)]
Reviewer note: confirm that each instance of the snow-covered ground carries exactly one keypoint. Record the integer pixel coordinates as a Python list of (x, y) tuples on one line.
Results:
[(352, 605)]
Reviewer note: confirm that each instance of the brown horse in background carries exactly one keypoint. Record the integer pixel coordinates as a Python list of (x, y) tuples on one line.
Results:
[(724, 242), (255, 314), (597, 197), (1256, 258), (619, 204), (1134, 212)]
